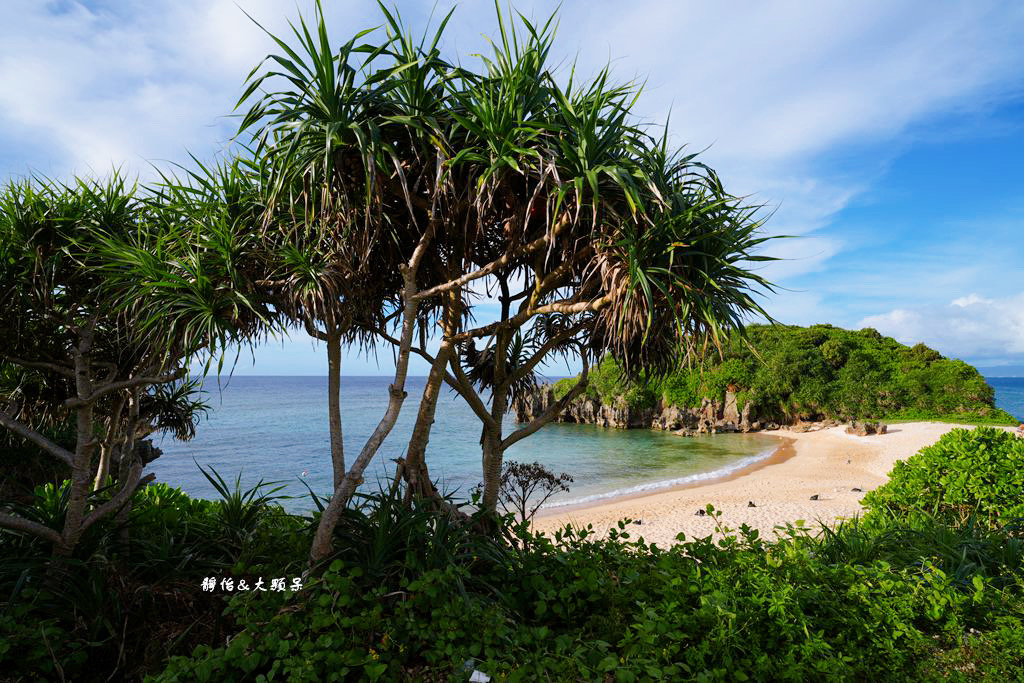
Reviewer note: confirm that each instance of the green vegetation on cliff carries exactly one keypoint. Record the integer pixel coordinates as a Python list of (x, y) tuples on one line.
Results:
[(788, 372)]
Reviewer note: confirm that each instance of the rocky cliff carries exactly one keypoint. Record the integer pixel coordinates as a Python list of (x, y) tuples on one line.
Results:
[(711, 417), (798, 377)]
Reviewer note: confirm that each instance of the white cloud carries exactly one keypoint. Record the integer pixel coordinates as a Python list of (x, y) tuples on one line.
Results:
[(89, 89), (767, 87), (982, 330), (970, 300), (775, 91), (786, 80)]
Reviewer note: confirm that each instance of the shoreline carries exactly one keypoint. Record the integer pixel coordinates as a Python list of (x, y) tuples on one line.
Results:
[(782, 452), (836, 467)]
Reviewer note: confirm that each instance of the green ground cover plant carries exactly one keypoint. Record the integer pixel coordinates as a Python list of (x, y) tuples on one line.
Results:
[(914, 591), (575, 607), (972, 475)]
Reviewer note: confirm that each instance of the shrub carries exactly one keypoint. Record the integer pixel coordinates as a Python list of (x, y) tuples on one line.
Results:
[(859, 604), (968, 474), (525, 487)]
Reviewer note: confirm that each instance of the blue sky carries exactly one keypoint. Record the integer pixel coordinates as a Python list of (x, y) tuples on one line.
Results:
[(887, 136)]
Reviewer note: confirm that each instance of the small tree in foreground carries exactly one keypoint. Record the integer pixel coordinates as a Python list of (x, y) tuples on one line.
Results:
[(71, 354), (525, 487)]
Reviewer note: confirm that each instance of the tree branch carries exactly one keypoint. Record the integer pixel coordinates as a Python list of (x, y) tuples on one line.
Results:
[(466, 390), (536, 358), (121, 497), (124, 384), (553, 410), (457, 379), (313, 332), (40, 365), (566, 306), (15, 523), (498, 263), (550, 282), (415, 349), (26, 432)]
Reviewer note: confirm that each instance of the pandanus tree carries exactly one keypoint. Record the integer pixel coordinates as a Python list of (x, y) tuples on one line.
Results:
[(595, 237), (292, 258), (437, 185), (318, 145), (82, 343), (350, 146)]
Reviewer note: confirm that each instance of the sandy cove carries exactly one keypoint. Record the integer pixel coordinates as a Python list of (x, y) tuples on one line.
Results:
[(827, 463)]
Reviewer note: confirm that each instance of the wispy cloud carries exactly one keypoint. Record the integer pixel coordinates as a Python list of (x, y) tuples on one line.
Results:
[(989, 331), (799, 105), (89, 87)]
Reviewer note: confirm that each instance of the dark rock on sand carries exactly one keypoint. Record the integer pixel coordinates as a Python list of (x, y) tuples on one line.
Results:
[(866, 428)]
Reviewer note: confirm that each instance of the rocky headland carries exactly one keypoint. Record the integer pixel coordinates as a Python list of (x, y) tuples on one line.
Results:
[(711, 417), (799, 378)]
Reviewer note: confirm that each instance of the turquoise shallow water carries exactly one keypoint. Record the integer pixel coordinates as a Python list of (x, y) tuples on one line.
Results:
[(275, 428)]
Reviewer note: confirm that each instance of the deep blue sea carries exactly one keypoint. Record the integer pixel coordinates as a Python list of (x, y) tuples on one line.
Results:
[(1009, 394), (275, 428)]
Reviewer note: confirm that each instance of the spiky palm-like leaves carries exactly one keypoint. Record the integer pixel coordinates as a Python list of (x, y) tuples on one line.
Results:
[(480, 365), (190, 275), (104, 309), (508, 178)]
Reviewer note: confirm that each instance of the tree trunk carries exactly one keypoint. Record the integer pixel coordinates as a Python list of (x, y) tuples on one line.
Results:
[(109, 444), (495, 445), (492, 448), (415, 472), (417, 477), (81, 466), (103, 468), (334, 403), (322, 544), (123, 476), (493, 455), (80, 475)]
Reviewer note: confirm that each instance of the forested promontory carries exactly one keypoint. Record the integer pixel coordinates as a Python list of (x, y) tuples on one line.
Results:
[(783, 374)]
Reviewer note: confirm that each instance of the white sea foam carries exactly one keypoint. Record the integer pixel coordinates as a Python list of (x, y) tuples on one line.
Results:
[(669, 483)]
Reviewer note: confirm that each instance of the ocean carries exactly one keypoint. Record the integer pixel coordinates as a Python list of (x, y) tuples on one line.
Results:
[(1009, 394), (275, 429)]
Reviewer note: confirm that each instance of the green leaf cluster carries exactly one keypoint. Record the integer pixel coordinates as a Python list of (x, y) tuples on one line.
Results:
[(915, 594), (968, 475)]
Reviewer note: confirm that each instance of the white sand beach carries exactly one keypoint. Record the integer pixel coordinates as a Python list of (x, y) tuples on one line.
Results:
[(829, 464)]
